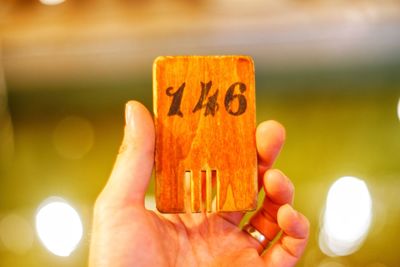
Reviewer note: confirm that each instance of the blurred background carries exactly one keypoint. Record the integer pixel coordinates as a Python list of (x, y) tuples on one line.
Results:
[(328, 70)]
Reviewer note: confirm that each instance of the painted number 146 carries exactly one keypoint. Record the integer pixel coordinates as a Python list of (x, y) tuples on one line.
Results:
[(209, 103)]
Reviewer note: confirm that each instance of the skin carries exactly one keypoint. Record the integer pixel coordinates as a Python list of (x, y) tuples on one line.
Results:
[(126, 234)]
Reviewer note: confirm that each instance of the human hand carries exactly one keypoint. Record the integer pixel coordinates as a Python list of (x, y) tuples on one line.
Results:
[(124, 233)]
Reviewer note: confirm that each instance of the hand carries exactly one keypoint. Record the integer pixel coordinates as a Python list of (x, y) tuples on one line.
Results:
[(126, 234)]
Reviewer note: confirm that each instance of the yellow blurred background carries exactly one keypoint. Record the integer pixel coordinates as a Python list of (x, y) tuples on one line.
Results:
[(328, 70)]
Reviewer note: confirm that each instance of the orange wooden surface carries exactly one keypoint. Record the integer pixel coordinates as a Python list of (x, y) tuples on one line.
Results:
[(204, 109)]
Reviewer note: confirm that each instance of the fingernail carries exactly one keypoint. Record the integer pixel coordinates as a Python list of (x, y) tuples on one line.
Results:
[(129, 115)]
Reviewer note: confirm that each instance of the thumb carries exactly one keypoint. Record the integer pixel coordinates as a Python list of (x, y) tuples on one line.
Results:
[(132, 170)]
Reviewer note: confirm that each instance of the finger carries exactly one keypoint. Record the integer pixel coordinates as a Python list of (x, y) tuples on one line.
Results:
[(279, 191), (132, 170), (270, 137), (289, 248)]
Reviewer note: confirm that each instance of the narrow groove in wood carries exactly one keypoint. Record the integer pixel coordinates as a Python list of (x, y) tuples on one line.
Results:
[(188, 184), (196, 194), (203, 182), (192, 193), (209, 190), (215, 190)]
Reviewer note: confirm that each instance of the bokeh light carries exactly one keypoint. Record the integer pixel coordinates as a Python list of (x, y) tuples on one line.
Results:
[(347, 217), (59, 226), (73, 137), (16, 233), (51, 2), (398, 109)]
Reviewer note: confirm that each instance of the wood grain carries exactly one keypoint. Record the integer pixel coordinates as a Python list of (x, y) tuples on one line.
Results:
[(204, 109)]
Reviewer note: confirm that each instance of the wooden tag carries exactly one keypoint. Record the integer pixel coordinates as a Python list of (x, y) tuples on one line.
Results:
[(204, 111)]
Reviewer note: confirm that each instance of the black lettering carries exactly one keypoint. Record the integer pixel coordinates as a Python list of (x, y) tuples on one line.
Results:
[(230, 96), (211, 106), (175, 108)]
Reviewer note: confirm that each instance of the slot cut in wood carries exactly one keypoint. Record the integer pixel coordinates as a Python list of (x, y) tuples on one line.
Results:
[(188, 191), (201, 194), (214, 190)]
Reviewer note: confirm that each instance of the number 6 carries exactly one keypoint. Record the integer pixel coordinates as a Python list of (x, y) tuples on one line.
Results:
[(230, 96)]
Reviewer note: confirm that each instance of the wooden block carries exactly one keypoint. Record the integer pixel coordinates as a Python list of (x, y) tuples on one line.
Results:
[(204, 111)]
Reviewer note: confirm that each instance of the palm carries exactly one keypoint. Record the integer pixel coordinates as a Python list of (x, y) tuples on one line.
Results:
[(126, 234), (182, 240)]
